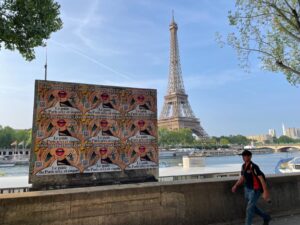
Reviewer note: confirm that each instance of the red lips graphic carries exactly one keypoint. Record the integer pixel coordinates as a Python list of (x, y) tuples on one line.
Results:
[(61, 122), (59, 152), (141, 123), (104, 96), (103, 123), (141, 98), (103, 151), (142, 149), (62, 94)]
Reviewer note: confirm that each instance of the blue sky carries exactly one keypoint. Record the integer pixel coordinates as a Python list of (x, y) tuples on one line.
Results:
[(126, 43)]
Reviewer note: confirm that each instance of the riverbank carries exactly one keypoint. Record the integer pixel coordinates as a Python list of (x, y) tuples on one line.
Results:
[(164, 153)]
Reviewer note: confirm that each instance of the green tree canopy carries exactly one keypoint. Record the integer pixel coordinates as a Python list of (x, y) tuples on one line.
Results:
[(9, 135), (224, 141), (6, 136), (238, 139), (270, 28), (181, 137), (285, 140), (185, 138), (27, 24)]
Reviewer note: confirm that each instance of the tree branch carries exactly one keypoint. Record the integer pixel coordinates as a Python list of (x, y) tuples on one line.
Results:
[(283, 66), (278, 62), (286, 2), (296, 17), (249, 17), (274, 6), (255, 50), (289, 32)]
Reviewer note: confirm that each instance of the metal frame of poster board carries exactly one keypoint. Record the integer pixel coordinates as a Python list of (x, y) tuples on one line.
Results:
[(85, 134)]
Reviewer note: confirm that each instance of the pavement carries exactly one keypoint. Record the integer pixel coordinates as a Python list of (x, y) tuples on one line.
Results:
[(282, 220), (286, 220)]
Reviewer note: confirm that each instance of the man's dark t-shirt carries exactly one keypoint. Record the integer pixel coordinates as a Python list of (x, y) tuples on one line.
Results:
[(250, 173)]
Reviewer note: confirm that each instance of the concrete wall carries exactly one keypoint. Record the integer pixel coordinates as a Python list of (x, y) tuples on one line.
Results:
[(196, 202)]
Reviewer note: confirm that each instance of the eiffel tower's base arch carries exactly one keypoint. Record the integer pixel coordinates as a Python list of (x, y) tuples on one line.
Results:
[(176, 123)]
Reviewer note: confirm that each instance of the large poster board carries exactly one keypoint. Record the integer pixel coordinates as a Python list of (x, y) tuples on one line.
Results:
[(81, 128)]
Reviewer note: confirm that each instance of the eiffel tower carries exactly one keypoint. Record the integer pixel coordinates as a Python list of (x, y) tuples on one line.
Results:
[(177, 112)]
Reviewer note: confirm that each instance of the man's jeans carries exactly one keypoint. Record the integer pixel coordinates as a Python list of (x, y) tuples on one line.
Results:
[(252, 198)]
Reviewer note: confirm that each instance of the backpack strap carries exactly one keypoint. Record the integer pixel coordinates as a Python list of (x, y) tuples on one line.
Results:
[(253, 170), (255, 176)]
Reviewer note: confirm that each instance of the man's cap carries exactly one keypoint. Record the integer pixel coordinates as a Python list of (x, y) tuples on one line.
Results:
[(246, 153)]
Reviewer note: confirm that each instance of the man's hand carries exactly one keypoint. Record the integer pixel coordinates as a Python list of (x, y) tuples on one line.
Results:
[(238, 183), (266, 195), (233, 189)]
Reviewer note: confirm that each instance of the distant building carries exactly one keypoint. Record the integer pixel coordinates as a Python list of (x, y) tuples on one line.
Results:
[(283, 130), (272, 132), (291, 132), (263, 138)]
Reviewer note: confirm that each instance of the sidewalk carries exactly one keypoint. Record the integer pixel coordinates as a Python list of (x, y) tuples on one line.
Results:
[(286, 220)]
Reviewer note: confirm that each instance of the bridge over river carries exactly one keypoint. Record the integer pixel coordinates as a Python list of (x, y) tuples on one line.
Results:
[(279, 147)]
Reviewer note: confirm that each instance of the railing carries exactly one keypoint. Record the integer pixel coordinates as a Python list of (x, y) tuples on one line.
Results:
[(14, 190)]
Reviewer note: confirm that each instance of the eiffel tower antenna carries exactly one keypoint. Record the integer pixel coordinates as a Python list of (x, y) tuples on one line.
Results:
[(173, 16), (45, 66), (177, 112)]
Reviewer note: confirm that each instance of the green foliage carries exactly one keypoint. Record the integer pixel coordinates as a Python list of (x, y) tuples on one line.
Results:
[(232, 139), (224, 141), (6, 137), (26, 24), (238, 139), (181, 137), (185, 138), (285, 140), (270, 28), (9, 135)]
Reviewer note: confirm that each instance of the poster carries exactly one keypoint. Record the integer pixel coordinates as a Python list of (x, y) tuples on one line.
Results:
[(80, 128)]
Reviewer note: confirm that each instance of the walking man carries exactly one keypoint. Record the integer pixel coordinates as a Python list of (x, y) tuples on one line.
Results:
[(254, 181)]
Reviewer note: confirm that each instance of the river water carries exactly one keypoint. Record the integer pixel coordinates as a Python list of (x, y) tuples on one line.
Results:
[(267, 162)]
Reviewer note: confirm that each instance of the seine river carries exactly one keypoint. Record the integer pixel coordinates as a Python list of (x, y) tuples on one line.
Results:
[(267, 162)]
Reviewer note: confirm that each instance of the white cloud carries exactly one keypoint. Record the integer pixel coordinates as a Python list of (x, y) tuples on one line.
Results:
[(93, 60), (89, 19), (215, 79)]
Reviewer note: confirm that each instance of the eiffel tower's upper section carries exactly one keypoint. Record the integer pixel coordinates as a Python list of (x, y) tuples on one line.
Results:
[(175, 85)]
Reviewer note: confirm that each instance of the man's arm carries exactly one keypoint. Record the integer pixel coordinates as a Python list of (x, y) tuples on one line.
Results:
[(266, 194), (259, 174), (240, 181)]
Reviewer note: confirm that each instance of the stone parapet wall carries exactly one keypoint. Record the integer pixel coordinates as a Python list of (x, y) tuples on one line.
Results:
[(191, 202)]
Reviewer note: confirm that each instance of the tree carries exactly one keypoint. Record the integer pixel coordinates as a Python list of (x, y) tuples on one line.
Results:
[(224, 141), (6, 137), (163, 137), (186, 136), (9, 135), (270, 28), (28, 140), (285, 140), (27, 24), (180, 137), (238, 139)]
